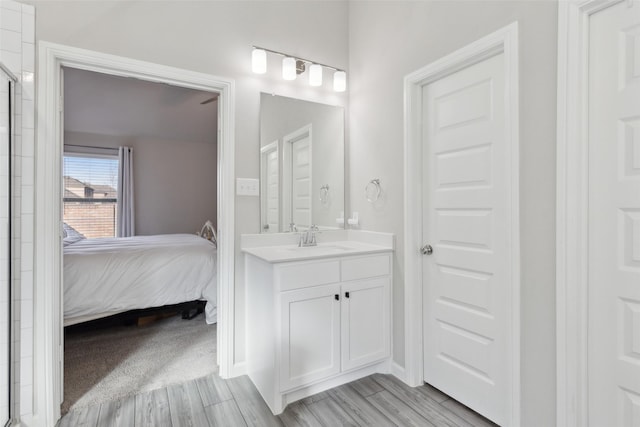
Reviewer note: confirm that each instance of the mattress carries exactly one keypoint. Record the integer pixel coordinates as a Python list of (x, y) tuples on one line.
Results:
[(110, 275)]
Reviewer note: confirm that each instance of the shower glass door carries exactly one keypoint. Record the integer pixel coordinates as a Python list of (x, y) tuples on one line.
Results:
[(6, 131)]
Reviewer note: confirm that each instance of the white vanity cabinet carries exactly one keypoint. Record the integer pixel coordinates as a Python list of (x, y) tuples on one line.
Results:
[(314, 324)]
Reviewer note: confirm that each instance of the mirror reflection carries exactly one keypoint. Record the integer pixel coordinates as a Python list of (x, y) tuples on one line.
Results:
[(301, 165)]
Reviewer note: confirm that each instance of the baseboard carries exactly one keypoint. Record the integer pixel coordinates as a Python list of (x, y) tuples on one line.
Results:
[(399, 372), (238, 369)]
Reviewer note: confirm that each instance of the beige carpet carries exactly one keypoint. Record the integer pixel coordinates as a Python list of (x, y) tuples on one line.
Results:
[(108, 364)]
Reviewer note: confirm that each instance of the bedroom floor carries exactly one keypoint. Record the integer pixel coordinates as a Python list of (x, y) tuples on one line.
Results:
[(110, 363), (377, 400)]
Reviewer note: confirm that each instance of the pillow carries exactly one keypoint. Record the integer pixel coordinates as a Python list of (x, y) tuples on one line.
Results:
[(209, 232), (71, 235)]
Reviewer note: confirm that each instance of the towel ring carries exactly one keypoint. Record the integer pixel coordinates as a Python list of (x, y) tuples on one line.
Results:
[(372, 190), (324, 194)]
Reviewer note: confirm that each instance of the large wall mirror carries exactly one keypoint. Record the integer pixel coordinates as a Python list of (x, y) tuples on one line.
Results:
[(301, 165)]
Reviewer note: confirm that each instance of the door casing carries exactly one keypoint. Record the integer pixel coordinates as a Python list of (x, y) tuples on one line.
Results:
[(48, 213), (504, 40)]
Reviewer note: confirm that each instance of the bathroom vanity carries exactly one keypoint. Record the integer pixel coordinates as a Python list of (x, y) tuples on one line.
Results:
[(317, 316)]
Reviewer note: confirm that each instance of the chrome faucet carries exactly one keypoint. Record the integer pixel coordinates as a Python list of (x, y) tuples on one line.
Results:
[(292, 227), (308, 238)]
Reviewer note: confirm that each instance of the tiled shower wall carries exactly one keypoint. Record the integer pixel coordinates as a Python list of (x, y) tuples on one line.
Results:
[(17, 52)]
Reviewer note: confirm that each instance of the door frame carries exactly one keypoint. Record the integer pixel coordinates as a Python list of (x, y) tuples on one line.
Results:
[(503, 41), (48, 329), (571, 209)]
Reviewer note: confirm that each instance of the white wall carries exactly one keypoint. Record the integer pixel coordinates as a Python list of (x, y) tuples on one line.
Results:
[(174, 181), (388, 40), (213, 37)]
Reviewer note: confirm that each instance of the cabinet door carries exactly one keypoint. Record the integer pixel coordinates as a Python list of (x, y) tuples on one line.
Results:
[(310, 346), (365, 322)]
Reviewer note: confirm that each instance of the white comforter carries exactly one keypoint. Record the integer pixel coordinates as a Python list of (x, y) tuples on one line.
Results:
[(112, 275)]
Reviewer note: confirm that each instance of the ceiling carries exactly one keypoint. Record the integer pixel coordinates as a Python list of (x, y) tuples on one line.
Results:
[(126, 107)]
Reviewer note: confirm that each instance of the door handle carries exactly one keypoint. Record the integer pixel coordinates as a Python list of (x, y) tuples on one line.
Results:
[(426, 250)]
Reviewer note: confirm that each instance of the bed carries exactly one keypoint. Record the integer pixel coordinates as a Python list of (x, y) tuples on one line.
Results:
[(107, 276)]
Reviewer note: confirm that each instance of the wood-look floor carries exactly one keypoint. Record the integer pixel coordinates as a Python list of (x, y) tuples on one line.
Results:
[(377, 400)]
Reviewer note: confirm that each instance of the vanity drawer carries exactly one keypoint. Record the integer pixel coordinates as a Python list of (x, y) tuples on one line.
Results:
[(306, 274), (365, 267)]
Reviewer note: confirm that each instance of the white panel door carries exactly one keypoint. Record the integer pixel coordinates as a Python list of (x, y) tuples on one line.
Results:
[(310, 335), (365, 322), (270, 177), (614, 217), (296, 178), (301, 182), (465, 214)]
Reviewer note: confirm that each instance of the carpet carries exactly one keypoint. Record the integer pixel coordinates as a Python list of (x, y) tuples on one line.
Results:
[(109, 364)]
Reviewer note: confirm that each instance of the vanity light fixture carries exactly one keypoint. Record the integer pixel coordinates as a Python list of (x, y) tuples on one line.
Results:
[(292, 66), (259, 61), (315, 75), (289, 68), (339, 81)]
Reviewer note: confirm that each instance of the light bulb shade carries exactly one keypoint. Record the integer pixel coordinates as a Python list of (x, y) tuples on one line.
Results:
[(289, 68), (339, 81), (315, 75), (259, 61)]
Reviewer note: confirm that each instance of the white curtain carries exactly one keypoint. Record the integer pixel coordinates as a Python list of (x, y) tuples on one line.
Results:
[(125, 218)]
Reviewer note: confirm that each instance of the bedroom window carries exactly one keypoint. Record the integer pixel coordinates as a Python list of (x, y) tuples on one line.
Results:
[(90, 194)]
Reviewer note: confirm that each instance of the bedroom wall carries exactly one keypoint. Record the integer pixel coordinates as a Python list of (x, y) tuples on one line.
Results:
[(174, 181), (213, 37), (388, 40)]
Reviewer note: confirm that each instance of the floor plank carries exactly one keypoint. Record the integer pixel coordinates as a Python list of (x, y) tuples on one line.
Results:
[(397, 411), (467, 414), (186, 405), (152, 409), (298, 415), (213, 390), (422, 404), (118, 413), (366, 386), (330, 414), (225, 414), (432, 393), (315, 398), (81, 417), (358, 407), (254, 410)]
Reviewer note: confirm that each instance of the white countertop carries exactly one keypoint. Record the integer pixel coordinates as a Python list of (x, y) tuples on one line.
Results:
[(286, 253)]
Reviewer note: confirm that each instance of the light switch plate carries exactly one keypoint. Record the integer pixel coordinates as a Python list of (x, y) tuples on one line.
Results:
[(247, 187)]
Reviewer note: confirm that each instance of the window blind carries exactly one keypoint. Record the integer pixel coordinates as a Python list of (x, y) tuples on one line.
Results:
[(90, 193)]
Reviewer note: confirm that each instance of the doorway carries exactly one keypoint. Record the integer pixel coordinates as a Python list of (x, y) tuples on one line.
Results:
[(462, 232), (47, 264), (123, 333)]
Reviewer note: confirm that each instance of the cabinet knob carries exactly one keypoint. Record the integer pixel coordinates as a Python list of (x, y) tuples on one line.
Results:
[(337, 297), (346, 294)]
